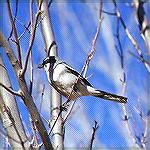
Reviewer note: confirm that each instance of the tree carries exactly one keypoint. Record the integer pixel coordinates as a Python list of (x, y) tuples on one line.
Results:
[(99, 34)]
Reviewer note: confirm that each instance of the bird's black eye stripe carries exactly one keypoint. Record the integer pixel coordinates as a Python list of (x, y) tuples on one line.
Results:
[(51, 59), (46, 61)]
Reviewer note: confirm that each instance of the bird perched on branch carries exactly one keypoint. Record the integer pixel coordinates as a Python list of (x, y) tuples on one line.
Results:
[(70, 83)]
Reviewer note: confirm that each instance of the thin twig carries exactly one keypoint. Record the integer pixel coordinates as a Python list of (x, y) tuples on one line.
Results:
[(16, 11), (49, 132), (47, 121), (121, 56), (32, 37), (15, 33), (109, 13), (10, 90), (131, 38), (93, 49), (138, 58), (69, 112), (96, 126), (28, 25), (26, 29), (31, 13)]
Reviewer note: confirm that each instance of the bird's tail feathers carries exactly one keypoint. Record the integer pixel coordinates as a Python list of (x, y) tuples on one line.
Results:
[(106, 95)]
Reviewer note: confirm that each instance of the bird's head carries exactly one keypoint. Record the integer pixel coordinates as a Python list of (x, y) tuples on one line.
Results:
[(47, 62)]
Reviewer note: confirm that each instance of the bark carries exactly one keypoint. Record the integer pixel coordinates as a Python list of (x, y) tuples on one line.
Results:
[(47, 31), (10, 114)]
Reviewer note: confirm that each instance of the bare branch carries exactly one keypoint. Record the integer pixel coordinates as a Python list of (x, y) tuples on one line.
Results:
[(69, 112), (96, 126), (93, 48), (31, 13), (26, 29), (131, 38), (32, 37), (138, 58), (10, 90), (123, 81), (15, 33), (52, 127), (16, 11), (109, 13)]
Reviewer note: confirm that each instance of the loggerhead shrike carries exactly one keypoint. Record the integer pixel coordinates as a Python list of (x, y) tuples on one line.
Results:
[(66, 80)]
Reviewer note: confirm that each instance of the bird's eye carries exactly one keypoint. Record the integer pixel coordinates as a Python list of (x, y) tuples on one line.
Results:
[(45, 65)]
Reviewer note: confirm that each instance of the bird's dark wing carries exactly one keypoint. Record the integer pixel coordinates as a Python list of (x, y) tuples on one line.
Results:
[(77, 74)]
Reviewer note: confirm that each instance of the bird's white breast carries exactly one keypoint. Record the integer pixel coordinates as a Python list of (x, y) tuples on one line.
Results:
[(58, 71), (62, 76)]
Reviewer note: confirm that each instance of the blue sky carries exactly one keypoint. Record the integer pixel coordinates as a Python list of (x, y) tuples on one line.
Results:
[(74, 27)]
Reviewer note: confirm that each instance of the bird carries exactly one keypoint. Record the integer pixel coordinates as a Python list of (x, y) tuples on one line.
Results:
[(71, 84)]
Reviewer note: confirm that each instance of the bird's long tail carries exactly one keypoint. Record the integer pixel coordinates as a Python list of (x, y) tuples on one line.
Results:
[(106, 95)]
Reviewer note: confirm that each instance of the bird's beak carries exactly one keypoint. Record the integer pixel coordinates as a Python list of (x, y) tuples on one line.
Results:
[(40, 66)]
